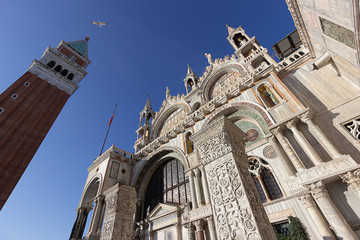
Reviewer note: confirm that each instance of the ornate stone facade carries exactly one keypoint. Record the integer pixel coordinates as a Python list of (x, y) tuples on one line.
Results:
[(252, 138)]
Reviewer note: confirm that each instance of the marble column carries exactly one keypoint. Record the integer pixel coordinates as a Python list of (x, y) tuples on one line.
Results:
[(199, 230), (320, 136), (352, 179), (284, 163), (288, 150), (192, 190), (191, 231), (303, 143), (211, 225), (307, 200), (198, 187), (94, 224), (205, 185), (79, 225), (331, 212)]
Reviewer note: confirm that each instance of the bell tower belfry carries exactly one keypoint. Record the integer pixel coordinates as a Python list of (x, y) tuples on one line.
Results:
[(29, 107), (143, 133), (191, 81), (249, 51)]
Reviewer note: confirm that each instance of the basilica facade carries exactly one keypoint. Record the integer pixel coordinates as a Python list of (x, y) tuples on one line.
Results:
[(252, 143)]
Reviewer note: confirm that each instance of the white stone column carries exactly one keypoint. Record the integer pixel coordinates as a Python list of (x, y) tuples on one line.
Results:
[(307, 200), (331, 213), (199, 194), (191, 231), (192, 190), (353, 179), (199, 230), (287, 148), (205, 185), (303, 143), (96, 215), (284, 163), (320, 136), (211, 225)]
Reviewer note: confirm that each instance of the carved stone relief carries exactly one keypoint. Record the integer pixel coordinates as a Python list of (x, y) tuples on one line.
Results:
[(120, 209), (238, 212)]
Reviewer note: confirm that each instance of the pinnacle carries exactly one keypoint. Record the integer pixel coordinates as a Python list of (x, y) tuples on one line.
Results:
[(189, 70), (230, 29)]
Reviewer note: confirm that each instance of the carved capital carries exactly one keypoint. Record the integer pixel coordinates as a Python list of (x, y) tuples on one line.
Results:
[(270, 139), (290, 124), (199, 225), (352, 178), (305, 117), (307, 200), (210, 221), (318, 190), (276, 130), (197, 172)]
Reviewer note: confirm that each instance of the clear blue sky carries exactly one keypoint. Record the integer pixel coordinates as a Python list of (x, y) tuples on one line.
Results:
[(145, 48)]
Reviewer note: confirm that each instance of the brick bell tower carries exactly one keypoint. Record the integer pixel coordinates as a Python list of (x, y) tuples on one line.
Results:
[(29, 107)]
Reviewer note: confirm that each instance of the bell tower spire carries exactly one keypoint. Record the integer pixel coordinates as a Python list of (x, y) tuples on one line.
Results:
[(29, 107), (143, 133)]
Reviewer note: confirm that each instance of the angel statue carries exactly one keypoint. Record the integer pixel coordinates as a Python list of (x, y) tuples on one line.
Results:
[(208, 56)]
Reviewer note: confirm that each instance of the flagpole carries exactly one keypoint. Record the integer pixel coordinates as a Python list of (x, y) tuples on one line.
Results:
[(108, 130)]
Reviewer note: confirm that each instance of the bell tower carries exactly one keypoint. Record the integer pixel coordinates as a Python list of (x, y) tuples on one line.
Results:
[(29, 107), (191, 81), (249, 51), (143, 133)]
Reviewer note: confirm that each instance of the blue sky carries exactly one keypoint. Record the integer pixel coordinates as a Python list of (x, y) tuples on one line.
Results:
[(145, 48)]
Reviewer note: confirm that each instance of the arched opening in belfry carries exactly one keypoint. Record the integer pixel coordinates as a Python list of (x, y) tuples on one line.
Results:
[(168, 184), (64, 72), (70, 76), (51, 64), (239, 39), (58, 68)]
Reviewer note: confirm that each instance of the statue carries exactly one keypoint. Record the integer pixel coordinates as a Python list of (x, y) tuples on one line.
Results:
[(208, 56), (167, 93)]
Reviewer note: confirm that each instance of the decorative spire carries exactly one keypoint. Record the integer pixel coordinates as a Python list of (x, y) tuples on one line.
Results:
[(189, 71), (147, 107), (230, 29)]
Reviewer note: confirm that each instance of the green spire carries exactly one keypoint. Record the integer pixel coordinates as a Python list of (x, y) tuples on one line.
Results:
[(80, 46)]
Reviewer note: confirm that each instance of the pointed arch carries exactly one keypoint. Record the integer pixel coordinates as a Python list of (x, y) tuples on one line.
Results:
[(211, 79), (164, 115)]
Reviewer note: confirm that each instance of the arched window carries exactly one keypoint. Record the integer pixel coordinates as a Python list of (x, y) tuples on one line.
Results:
[(168, 184), (267, 95), (51, 64), (264, 181), (64, 72), (70, 76), (270, 183), (58, 68), (189, 143)]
